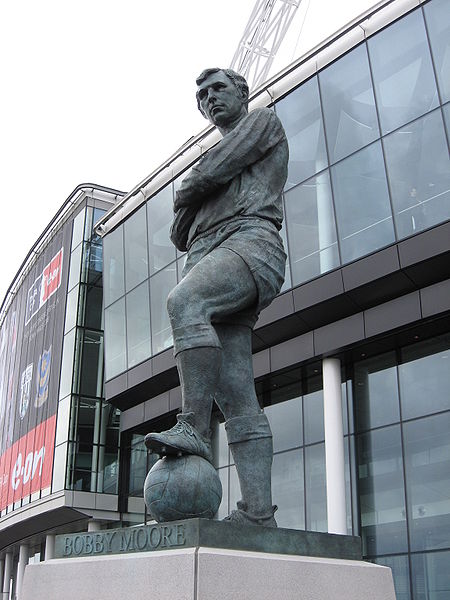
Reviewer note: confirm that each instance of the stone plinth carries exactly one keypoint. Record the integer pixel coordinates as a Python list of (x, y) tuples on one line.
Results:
[(206, 574), (196, 533)]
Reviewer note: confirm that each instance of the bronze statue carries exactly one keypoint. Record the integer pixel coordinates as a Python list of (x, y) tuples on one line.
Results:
[(228, 213)]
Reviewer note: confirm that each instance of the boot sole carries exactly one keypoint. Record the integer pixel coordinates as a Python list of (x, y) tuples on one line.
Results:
[(167, 449), (164, 449)]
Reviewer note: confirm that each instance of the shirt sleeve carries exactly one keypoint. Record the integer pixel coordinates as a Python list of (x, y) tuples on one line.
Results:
[(247, 143)]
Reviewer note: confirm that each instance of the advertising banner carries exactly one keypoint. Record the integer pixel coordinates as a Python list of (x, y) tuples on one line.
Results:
[(45, 286), (26, 466), (30, 362)]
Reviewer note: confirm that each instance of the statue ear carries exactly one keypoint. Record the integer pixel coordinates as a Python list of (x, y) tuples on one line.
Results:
[(200, 109), (244, 95)]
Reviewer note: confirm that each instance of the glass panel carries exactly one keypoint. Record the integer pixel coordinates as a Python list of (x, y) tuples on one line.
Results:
[(311, 229), (160, 286), (75, 267), (62, 421), (418, 167), (85, 421), (80, 474), (160, 215), (92, 217), (381, 489), (431, 576), (436, 16), (65, 386), (115, 347), (138, 466), (287, 273), (108, 470), (446, 111), (91, 379), (92, 263), (427, 458), (136, 260), (313, 414), (348, 491), (219, 444), (302, 120), (350, 402), (288, 489), (110, 429), (400, 573), (403, 74), (376, 392), (316, 488), (363, 210), (235, 490), (113, 266), (354, 488), (425, 377), (344, 406), (91, 307), (59, 468), (285, 421), (348, 104), (71, 309), (78, 228), (138, 325)]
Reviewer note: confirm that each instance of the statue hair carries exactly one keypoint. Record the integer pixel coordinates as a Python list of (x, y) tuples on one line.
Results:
[(239, 82)]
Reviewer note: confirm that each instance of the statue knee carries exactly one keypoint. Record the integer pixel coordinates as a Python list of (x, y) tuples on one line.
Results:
[(177, 301), (185, 305)]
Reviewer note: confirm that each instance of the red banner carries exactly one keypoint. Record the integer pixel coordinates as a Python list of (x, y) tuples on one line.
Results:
[(44, 286), (26, 467), (51, 277)]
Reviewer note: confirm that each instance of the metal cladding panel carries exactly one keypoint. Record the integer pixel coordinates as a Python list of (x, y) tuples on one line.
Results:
[(30, 362)]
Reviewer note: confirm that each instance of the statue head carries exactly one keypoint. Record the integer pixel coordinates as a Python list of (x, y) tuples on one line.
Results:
[(222, 96)]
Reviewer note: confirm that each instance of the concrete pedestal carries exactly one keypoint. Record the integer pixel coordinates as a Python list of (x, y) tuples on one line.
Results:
[(206, 574)]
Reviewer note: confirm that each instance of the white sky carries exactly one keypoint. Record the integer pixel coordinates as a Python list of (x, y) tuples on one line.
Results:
[(102, 91)]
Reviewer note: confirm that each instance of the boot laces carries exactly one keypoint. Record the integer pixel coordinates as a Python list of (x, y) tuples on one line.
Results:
[(182, 427)]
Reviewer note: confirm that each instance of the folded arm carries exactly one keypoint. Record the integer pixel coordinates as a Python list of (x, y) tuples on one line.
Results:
[(251, 139)]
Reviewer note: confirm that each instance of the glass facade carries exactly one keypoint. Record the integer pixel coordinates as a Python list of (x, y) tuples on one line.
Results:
[(87, 439), (369, 165), (402, 409)]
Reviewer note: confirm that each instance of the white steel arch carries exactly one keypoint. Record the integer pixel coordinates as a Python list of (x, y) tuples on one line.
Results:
[(265, 30)]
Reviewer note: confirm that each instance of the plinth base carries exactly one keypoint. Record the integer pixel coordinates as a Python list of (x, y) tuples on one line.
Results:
[(206, 574)]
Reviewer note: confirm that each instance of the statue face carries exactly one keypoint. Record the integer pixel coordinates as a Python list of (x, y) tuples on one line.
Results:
[(220, 100)]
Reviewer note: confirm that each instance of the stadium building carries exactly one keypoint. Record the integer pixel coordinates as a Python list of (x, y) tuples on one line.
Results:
[(58, 436), (366, 303)]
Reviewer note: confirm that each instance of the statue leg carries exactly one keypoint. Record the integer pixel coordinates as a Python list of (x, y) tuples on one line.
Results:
[(247, 427), (219, 284)]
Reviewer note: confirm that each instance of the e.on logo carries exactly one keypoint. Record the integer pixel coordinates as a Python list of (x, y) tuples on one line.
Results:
[(27, 472), (26, 466)]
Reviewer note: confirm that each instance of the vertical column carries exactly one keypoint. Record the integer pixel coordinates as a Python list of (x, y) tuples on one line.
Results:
[(325, 226), (334, 446), (2, 572), (23, 561), (49, 546), (94, 525), (7, 575)]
